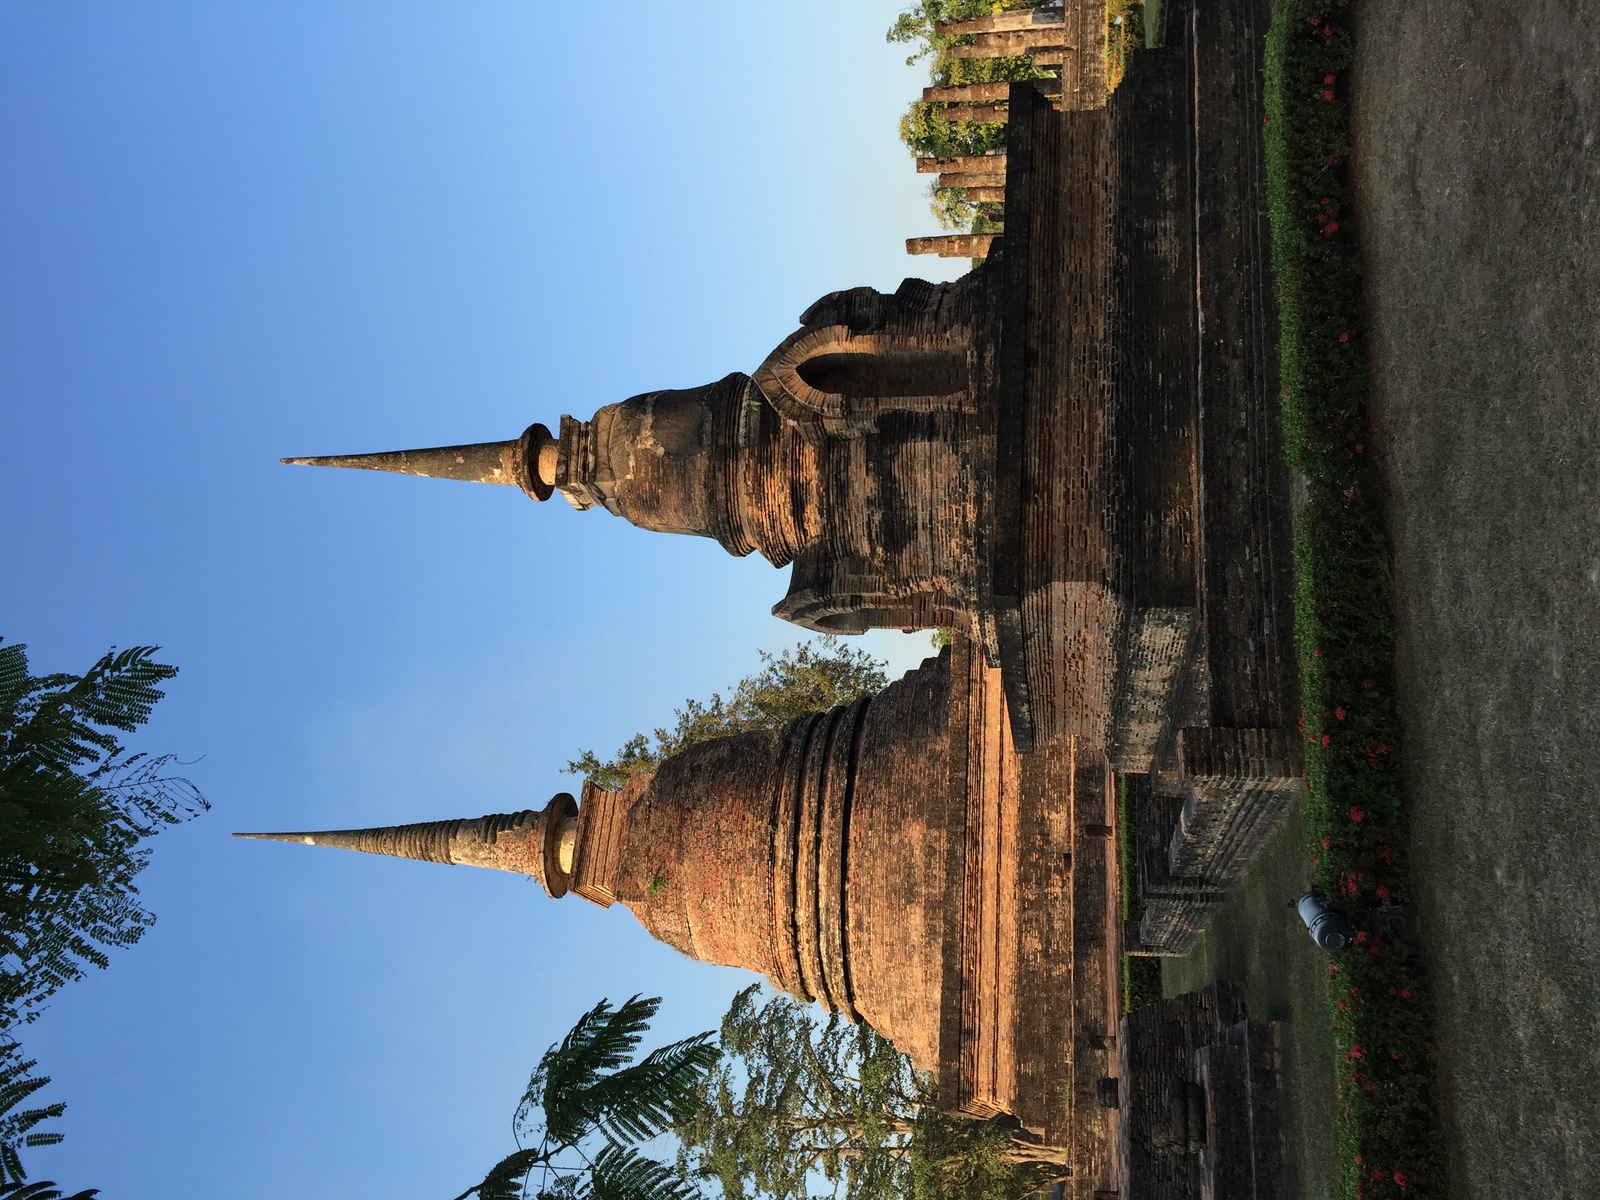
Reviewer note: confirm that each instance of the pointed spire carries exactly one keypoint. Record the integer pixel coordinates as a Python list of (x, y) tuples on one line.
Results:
[(527, 842), (527, 462)]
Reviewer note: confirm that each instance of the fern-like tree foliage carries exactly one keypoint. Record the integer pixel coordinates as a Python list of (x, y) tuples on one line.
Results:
[(74, 810), (804, 1106), (19, 1127), (807, 678), (44, 1189), (589, 1106)]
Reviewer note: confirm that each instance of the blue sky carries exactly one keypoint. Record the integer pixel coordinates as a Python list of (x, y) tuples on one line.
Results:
[(231, 232)]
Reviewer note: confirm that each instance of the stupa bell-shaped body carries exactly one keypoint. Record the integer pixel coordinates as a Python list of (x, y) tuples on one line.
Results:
[(866, 857)]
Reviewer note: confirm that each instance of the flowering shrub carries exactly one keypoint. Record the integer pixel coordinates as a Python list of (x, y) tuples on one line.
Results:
[(1344, 624)]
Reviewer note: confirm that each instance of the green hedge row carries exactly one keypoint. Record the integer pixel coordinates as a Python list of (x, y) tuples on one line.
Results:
[(1345, 629)]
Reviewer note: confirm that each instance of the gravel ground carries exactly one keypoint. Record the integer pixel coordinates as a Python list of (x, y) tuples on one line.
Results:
[(1478, 179)]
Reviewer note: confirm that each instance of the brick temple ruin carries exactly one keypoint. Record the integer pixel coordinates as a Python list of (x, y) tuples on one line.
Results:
[(1071, 458)]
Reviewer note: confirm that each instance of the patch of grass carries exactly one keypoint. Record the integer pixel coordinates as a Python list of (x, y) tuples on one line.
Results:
[(1344, 611), (1141, 975)]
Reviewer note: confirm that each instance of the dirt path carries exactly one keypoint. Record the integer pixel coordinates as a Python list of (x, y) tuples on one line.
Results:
[(1479, 176)]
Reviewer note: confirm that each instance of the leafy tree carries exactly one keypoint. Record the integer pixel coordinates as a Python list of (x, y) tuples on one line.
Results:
[(955, 1158), (44, 1189), (925, 131), (19, 1129), (799, 1102), (74, 806), (588, 1106), (809, 677)]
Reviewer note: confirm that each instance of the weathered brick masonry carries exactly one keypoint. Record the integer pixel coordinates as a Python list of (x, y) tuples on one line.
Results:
[(1207, 698), (1070, 457), (1201, 1099)]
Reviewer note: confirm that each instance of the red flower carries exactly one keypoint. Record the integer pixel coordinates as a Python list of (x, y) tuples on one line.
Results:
[(1343, 337), (1324, 843), (1327, 79), (1332, 161), (1331, 228), (1383, 892), (1391, 990), (1326, 739), (1359, 448), (1315, 21), (1357, 815), (1400, 1178), (1361, 936), (1383, 852), (1316, 654), (1339, 713), (1383, 748), (1405, 993), (1327, 94)]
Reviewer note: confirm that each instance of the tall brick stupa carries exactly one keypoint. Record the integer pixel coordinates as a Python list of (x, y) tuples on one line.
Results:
[(874, 858), (1072, 459)]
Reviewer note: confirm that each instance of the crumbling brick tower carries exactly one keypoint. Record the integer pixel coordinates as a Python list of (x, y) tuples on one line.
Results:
[(1072, 457), (846, 454), (877, 858)]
